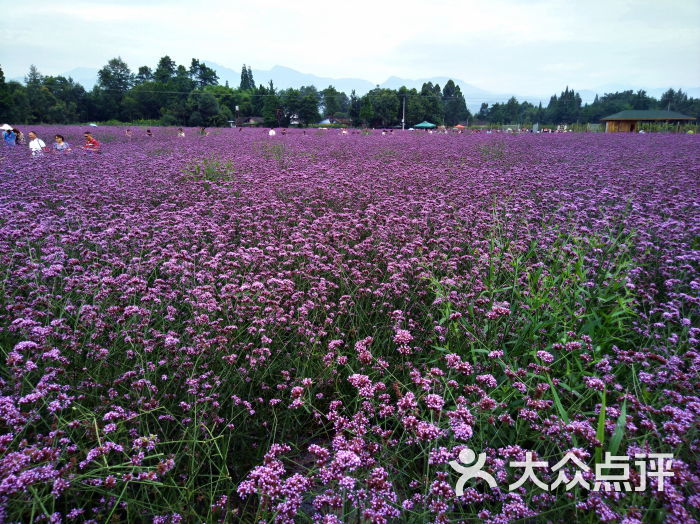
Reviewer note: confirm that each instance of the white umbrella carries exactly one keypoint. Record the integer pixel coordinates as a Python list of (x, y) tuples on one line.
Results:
[(6, 127), (92, 125)]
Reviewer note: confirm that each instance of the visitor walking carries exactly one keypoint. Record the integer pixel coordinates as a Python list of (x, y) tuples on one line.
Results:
[(9, 137), (36, 144), (90, 143), (60, 145)]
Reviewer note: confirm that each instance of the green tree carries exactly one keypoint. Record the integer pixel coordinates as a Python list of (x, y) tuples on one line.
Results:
[(271, 110), (675, 101), (566, 108), (149, 99), (5, 98), (642, 101), (19, 103), (308, 106), (354, 107), (454, 103), (196, 119), (202, 74), (70, 105), (40, 99), (511, 111), (114, 80), (290, 102), (385, 107), (330, 100), (34, 78), (115, 76), (165, 70), (434, 110), (207, 106), (366, 111), (144, 75), (247, 81)]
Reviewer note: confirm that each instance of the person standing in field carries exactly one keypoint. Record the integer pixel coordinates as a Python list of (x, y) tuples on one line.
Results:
[(128, 133), (36, 144), (90, 143), (9, 137), (180, 132), (149, 133), (60, 145), (19, 136)]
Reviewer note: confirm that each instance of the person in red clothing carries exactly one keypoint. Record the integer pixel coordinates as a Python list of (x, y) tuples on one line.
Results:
[(90, 143)]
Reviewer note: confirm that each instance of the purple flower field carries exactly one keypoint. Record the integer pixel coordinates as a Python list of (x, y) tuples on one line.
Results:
[(310, 327)]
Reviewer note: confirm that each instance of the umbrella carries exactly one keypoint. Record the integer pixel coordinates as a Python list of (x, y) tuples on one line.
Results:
[(92, 125), (6, 127), (425, 125), (459, 126)]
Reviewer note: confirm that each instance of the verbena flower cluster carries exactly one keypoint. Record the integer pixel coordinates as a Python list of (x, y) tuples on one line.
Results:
[(310, 327)]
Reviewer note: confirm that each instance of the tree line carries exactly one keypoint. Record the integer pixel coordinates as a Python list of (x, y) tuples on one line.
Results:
[(173, 94)]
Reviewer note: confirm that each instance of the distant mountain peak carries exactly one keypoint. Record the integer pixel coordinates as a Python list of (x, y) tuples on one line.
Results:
[(284, 77)]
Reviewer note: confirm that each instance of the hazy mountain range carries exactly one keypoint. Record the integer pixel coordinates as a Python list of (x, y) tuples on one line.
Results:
[(285, 77)]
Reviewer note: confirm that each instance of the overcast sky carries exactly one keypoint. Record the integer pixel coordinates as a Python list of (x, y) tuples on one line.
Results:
[(529, 46)]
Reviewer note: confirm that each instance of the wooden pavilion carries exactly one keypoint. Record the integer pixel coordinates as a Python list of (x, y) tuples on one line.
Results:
[(628, 121)]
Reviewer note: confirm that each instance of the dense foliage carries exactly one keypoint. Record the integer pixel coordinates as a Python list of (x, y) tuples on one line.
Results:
[(176, 95), (309, 327)]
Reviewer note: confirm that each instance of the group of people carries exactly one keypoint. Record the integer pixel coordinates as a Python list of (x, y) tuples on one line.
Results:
[(180, 133), (14, 137)]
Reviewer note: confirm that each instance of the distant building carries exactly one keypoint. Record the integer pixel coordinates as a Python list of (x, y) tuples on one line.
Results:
[(250, 121), (628, 121), (332, 120)]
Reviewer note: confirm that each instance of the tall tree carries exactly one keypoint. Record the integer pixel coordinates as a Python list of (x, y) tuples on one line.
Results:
[(642, 101), (115, 76), (354, 108), (202, 74), (41, 99), (385, 106), (247, 82), (144, 75), (512, 111), (675, 101), (34, 77), (454, 103), (330, 100), (432, 103), (165, 70), (271, 110), (5, 99), (308, 105), (114, 80)]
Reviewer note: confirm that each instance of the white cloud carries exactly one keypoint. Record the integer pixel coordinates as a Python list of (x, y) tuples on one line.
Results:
[(498, 43)]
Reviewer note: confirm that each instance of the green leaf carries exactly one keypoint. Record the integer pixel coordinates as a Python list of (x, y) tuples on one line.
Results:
[(619, 430), (600, 433), (557, 402)]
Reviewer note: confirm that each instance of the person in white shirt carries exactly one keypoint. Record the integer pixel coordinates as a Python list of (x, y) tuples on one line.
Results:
[(36, 144)]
